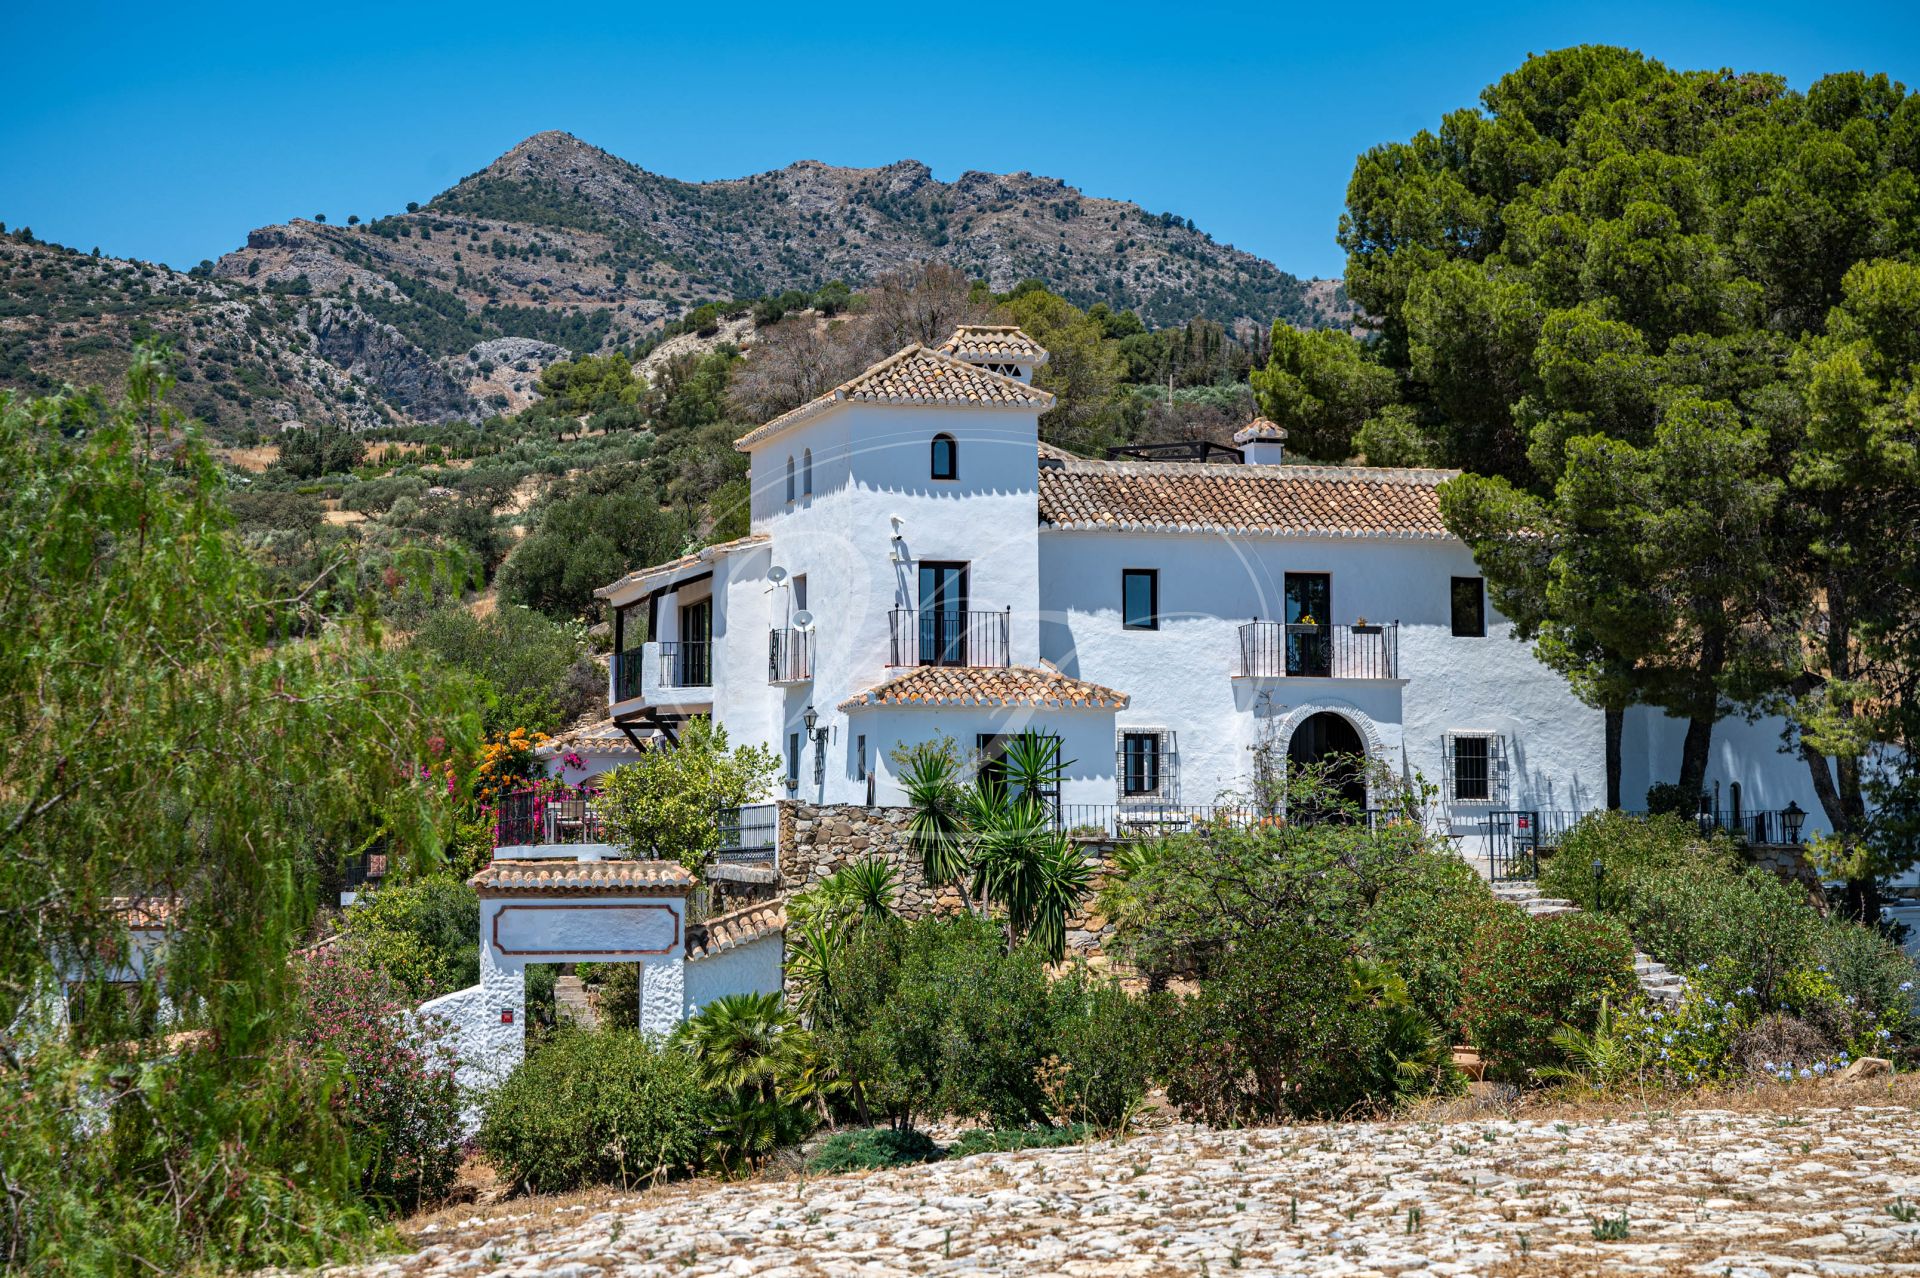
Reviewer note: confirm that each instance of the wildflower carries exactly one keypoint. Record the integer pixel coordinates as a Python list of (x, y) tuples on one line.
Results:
[(1906, 986), (1805, 1072), (1819, 1067)]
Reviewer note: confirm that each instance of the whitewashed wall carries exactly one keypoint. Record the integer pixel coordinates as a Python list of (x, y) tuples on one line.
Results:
[(871, 463), (1086, 744), (758, 967), (1745, 752)]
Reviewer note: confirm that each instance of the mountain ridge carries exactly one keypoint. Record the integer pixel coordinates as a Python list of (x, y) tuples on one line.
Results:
[(559, 248)]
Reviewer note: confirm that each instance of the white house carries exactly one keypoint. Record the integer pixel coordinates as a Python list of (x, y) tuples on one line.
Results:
[(921, 565)]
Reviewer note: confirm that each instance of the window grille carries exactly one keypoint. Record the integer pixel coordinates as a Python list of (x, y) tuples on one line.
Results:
[(1147, 766), (1475, 765)]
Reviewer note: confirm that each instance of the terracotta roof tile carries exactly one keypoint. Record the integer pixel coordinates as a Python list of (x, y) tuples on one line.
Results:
[(1004, 343), (988, 686), (1323, 501), (706, 554), (602, 736), (147, 911), (914, 376), (1260, 430), (574, 878), (736, 928)]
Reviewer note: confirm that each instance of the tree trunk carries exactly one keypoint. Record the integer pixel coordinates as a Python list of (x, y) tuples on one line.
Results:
[(1693, 756), (1616, 728)]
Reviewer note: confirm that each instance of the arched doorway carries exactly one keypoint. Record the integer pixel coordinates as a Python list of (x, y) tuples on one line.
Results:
[(1331, 740)]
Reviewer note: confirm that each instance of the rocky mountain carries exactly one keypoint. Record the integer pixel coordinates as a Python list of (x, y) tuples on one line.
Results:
[(450, 309)]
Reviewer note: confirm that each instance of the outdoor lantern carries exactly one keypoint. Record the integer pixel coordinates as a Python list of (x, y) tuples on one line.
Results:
[(1599, 872), (1793, 818), (812, 719)]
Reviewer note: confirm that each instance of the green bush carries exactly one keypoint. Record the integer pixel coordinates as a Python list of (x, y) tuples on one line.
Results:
[(1627, 848), (1288, 1026), (933, 1018), (1527, 977), (1102, 1041), (1870, 969), (1423, 924), (1689, 918), (873, 1148), (595, 1108), (1005, 1140), (423, 933)]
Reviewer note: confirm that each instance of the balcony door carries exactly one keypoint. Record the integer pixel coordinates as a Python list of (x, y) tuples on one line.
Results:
[(943, 614), (696, 644), (1309, 624)]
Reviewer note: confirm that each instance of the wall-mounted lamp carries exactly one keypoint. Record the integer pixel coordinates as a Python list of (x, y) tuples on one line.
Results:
[(1793, 817), (818, 735)]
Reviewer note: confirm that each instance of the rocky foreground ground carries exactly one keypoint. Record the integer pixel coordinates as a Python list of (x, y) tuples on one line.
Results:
[(1819, 1185)]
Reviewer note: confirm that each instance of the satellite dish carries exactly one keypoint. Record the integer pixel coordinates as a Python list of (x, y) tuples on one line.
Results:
[(802, 620), (776, 574)]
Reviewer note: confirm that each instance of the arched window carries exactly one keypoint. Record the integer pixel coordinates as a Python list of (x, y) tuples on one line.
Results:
[(806, 485), (789, 477), (946, 458)]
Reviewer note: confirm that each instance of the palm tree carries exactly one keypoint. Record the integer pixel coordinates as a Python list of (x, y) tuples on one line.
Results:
[(750, 1051)]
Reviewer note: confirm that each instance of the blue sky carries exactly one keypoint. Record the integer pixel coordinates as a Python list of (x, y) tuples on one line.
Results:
[(167, 133)]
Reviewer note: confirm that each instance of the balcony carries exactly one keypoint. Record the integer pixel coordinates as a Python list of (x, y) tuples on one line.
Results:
[(936, 637), (1277, 650), (665, 675), (789, 656), (549, 822)]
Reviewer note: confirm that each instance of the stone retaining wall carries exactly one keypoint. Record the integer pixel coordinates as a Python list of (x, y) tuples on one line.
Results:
[(817, 839)]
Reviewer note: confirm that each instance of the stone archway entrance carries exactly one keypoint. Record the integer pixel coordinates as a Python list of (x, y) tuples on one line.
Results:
[(1330, 740)]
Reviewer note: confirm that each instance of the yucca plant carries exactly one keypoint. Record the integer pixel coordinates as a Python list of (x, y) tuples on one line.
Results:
[(998, 837)]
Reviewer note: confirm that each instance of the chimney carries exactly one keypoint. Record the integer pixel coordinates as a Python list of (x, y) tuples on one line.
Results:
[(998, 348), (1261, 443)]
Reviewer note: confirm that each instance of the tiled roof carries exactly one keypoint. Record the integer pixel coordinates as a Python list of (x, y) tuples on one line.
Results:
[(706, 554), (1002, 342), (600, 737), (916, 376), (988, 686), (1260, 430), (574, 878), (736, 928), (1316, 501)]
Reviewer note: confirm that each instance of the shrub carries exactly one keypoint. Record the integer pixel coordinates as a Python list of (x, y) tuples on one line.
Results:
[(1527, 977), (1692, 917), (595, 1108), (1423, 924), (662, 805), (400, 1105), (1879, 975), (1628, 847), (1005, 1140), (1280, 1030), (933, 1018), (755, 1061), (873, 1148), (1102, 1039), (425, 934)]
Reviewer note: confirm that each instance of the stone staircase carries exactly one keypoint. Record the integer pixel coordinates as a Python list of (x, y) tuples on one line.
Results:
[(1658, 981)]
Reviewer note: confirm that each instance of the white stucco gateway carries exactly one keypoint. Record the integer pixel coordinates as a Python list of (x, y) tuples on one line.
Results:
[(920, 565)]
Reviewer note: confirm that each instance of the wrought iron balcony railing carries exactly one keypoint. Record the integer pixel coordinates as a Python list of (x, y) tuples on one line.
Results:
[(1275, 650), (939, 637), (686, 665), (789, 656)]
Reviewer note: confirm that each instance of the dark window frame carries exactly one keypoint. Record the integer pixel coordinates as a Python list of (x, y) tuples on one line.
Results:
[(953, 457), (1471, 773), (1152, 760), (790, 479), (806, 473), (1478, 619), (1152, 576)]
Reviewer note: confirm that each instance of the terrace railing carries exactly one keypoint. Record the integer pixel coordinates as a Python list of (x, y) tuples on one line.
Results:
[(750, 833), (532, 818), (686, 665), (626, 673), (1150, 820), (1278, 650), (939, 637)]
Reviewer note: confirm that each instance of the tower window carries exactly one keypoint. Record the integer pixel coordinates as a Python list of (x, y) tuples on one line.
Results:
[(1140, 599), (946, 458), (1469, 607), (806, 468), (789, 478)]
